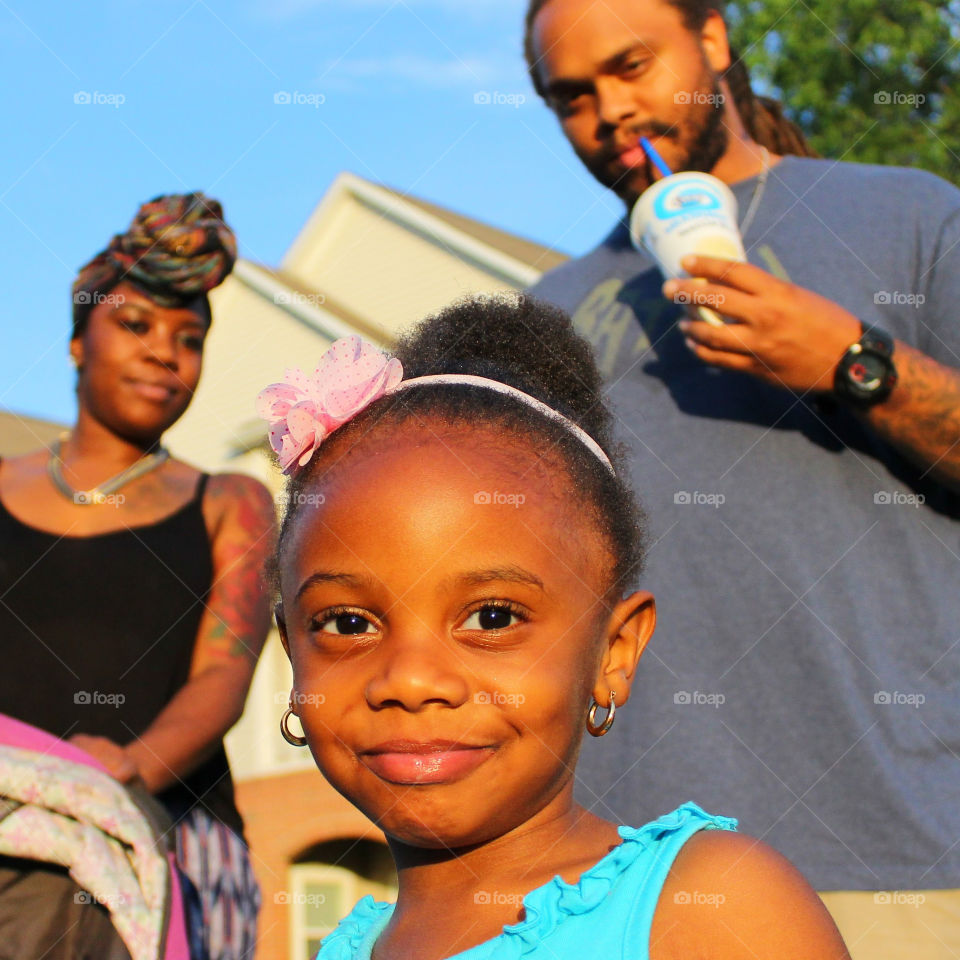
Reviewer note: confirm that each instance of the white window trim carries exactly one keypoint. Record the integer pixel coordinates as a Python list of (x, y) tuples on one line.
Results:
[(301, 874)]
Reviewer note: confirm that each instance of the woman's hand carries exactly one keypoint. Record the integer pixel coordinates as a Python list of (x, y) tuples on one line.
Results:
[(119, 763)]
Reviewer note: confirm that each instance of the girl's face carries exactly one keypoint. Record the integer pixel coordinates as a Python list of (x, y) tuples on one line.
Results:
[(443, 610), (139, 362)]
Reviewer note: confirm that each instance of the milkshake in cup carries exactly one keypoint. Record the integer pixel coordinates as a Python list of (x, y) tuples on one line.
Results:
[(687, 213)]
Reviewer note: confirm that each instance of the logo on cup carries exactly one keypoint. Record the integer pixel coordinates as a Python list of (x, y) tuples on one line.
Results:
[(687, 196)]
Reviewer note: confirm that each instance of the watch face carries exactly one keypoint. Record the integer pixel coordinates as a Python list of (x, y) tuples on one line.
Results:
[(867, 373)]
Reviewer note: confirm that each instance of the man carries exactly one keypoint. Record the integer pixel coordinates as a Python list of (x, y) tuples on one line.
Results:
[(800, 466)]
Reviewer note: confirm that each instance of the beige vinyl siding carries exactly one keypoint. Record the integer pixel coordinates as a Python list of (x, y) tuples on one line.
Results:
[(250, 344), (384, 270)]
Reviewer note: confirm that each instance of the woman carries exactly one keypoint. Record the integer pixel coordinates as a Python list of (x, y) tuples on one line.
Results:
[(132, 611)]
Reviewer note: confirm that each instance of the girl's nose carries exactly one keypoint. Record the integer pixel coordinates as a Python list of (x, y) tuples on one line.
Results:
[(413, 674)]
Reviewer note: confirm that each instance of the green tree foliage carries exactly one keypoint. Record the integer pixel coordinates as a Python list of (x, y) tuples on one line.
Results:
[(876, 81)]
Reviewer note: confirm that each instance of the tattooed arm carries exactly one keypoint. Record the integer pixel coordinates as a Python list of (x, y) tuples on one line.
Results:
[(921, 417), (794, 338), (240, 516)]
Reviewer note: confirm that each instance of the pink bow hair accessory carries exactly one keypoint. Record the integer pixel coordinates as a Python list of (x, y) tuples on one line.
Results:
[(304, 410)]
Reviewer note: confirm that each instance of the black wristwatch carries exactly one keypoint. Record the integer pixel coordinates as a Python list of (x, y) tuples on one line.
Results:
[(865, 374)]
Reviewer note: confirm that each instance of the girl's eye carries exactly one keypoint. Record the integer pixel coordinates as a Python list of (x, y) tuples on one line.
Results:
[(492, 618), (344, 624)]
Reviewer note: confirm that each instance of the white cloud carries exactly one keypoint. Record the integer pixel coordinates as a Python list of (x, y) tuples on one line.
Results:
[(424, 71), (288, 9)]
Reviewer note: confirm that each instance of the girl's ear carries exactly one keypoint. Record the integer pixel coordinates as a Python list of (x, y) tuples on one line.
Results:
[(282, 627), (629, 628)]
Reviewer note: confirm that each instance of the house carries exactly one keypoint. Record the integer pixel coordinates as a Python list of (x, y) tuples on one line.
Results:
[(20, 434)]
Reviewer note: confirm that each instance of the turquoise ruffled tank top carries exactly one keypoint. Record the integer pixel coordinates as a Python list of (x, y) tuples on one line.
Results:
[(609, 909)]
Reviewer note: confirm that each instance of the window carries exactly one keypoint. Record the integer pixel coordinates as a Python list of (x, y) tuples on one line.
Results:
[(320, 896)]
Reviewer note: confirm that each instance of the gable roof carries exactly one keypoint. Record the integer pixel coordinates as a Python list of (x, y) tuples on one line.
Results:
[(514, 261), (21, 434), (526, 251)]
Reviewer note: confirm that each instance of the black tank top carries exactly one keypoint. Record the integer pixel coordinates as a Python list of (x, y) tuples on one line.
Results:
[(97, 634)]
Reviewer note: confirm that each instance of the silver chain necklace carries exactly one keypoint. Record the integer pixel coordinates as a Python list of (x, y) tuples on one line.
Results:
[(757, 193), (98, 494)]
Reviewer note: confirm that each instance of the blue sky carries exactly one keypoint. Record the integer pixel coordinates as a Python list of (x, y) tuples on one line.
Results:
[(180, 95)]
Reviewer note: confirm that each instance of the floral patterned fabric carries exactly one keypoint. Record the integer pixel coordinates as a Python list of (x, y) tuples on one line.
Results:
[(57, 811)]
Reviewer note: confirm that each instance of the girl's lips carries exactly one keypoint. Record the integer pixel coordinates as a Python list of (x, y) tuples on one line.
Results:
[(425, 764)]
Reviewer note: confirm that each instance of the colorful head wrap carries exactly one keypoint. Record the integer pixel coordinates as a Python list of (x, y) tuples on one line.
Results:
[(177, 248)]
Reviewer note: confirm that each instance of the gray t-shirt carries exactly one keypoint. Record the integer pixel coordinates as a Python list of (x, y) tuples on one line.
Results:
[(804, 672)]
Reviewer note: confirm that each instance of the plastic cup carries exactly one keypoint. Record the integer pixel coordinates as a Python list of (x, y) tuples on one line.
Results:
[(687, 213)]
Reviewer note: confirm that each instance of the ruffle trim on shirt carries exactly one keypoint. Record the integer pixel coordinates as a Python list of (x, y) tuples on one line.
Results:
[(343, 943), (547, 906)]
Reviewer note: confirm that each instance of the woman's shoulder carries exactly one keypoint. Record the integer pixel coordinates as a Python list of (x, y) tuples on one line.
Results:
[(241, 521), (24, 467), (741, 897), (238, 488), (232, 500)]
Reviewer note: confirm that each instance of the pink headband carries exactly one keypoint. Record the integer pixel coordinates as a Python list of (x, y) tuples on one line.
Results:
[(303, 411)]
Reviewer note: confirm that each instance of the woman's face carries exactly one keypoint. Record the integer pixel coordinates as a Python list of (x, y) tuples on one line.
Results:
[(443, 610), (139, 363)]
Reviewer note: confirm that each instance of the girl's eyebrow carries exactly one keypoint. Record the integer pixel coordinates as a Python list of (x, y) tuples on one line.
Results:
[(328, 576), (511, 574)]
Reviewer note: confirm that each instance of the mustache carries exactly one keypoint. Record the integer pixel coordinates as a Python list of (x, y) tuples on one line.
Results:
[(654, 129)]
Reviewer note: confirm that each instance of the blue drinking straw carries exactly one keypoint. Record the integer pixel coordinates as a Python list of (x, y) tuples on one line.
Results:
[(655, 157)]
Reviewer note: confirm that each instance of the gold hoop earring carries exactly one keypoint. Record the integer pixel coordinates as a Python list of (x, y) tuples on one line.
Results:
[(600, 730), (291, 738)]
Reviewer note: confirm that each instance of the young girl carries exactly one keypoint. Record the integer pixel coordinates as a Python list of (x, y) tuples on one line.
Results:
[(454, 574)]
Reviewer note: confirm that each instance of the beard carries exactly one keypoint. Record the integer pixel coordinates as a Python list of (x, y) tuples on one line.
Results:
[(710, 142), (698, 135)]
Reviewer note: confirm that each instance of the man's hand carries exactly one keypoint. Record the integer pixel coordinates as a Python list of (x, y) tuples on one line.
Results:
[(120, 765), (782, 333)]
